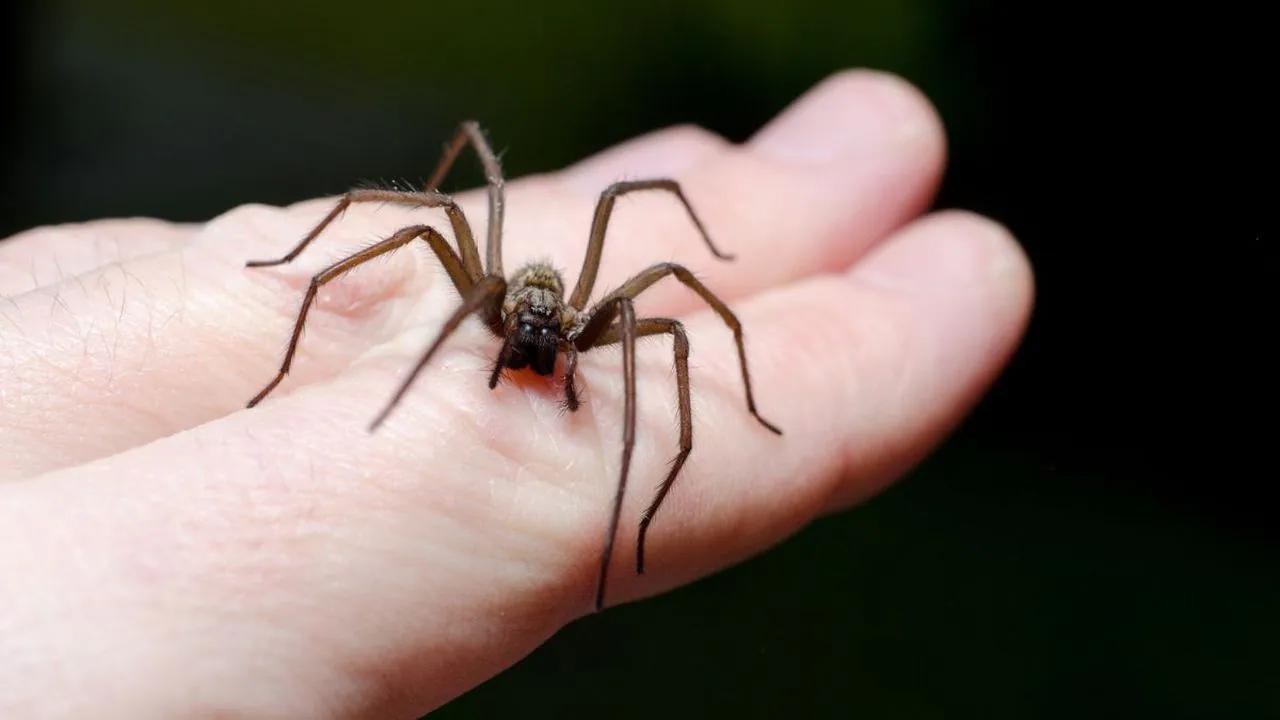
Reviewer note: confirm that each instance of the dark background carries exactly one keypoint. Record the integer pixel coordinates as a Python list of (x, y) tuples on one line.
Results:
[(1097, 540)]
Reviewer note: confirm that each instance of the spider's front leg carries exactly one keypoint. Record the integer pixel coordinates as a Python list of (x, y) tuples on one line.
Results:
[(627, 335), (571, 401), (680, 343), (508, 349), (599, 329), (485, 297), (600, 225), (625, 331)]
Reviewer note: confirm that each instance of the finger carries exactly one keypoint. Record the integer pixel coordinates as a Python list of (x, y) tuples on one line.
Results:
[(50, 255), (387, 573), (908, 341), (143, 348), (668, 152), (148, 347), (854, 158)]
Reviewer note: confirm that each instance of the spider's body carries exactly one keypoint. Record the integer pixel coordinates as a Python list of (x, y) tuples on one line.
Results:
[(534, 305), (530, 313)]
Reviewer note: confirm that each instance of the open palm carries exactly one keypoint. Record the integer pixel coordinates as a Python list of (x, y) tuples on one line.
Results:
[(175, 553)]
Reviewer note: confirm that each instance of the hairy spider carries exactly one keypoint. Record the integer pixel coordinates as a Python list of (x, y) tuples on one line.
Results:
[(529, 313)]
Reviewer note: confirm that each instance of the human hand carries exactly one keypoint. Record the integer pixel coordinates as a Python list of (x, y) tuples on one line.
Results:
[(166, 552)]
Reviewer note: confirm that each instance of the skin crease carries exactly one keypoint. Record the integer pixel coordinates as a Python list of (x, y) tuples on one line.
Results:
[(177, 555)]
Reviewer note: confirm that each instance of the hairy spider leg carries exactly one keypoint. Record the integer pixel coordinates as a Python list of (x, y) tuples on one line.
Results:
[(570, 371), (486, 296), (600, 223), (448, 258), (508, 347), (680, 343), (461, 229), (601, 329), (600, 316), (627, 329), (470, 132)]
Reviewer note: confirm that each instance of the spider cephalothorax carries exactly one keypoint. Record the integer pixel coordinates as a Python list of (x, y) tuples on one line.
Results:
[(535, 309), (530, 314)]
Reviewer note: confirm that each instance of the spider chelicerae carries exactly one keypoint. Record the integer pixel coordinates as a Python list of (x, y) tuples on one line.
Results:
[(529, 312)]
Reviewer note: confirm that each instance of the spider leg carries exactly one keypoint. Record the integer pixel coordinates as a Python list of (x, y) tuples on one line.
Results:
[(602, 314), (486, 294), (600, 222), (452, 266), (461, 229), (680, 340), (469, 132), (570, 371), (627, 326), (504, 354)]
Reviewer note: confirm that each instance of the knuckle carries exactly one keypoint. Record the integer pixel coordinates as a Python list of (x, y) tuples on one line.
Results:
[(694, 137)]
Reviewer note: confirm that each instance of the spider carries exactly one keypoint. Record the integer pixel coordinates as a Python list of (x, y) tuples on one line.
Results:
[(529, 312)]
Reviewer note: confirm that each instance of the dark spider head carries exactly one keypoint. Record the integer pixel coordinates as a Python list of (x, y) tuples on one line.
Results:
[(536, 340)]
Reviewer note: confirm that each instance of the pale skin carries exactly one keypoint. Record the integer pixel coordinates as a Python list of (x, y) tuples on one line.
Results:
[(166, 552)]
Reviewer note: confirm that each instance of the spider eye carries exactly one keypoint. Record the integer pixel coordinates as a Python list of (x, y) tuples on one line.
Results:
[(546, 331), (526, 328)]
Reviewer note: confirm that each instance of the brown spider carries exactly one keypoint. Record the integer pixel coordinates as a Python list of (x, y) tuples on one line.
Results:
[(529, 313)]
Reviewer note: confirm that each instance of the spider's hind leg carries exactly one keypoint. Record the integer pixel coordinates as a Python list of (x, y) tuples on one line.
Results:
[(448, 258), (470, 132), (469, 256)]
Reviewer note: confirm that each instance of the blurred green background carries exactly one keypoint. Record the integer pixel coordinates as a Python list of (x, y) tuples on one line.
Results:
[(1097, 540)]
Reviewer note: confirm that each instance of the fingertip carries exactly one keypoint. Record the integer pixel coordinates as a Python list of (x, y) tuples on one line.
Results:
[(951, 252), (850, 113)]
